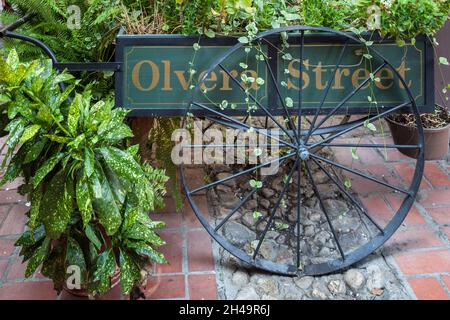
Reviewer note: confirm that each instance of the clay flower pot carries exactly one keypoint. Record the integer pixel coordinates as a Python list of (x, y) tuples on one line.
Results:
[(114, 281), (436, 140)]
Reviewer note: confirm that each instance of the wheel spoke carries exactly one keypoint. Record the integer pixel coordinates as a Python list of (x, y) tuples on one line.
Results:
[(255, 100), (240, 124), (300, 85), (299, 206), (277, 88), (330, 83), (359, 124), (359, 174), (341, 187), (322, 205), (235, 209), (277, 205), (343, 102), (212, 184), (368, 145), (229, 145), (241, 203)]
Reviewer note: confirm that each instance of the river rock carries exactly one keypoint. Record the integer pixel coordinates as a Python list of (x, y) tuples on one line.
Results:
[(238, 234), (268, 249), (336, 286), (309, 231), (264, 203), (267, 193), (240, 278), (304, 282), (268, 286), (321, 238), (354, 279), (223, 175), (251, 204), (247, 293)]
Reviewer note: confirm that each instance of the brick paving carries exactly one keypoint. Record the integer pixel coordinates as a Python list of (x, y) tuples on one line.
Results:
[(419, 251)]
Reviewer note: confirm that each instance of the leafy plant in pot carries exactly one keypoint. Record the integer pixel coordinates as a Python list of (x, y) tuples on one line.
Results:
[(436, 132), (89, 193)]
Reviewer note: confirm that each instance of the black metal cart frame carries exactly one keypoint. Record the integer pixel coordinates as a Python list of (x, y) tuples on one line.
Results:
[(299, 142)]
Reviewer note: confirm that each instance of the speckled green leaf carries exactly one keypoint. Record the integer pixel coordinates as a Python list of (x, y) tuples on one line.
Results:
[(144, 249), (30, 132), (56, 205), (104, 204), (129, 272), (4, 99), (30, 237), (62, 77), (142, 232), (56, 138), (118, 133), (13, 59), (130, 216), (36, 198), (133, 150), (90, 234), (122, 163), (12, 172), (37, 258), (105, 268), (84, 200), (89, 161), (54, 268), (6, 74), (66, 93), (46, 167), (35, 151), (15, 128), (75, 257), (74, 114)]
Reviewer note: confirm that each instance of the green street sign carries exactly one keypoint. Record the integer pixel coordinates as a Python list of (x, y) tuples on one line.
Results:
[(158, 75)]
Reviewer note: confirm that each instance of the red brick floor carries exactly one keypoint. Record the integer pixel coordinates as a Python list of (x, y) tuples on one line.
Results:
[(420, 249)]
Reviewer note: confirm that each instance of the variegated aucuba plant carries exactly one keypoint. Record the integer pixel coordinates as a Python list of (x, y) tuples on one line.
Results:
[(90, 195)]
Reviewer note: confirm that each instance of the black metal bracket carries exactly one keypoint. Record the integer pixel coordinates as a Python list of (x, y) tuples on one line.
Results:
[(89, 66), (16, 24)]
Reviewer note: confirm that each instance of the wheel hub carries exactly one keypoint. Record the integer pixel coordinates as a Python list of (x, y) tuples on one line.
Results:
[(303, 153)]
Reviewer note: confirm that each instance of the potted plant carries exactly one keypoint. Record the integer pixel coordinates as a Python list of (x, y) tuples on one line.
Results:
[(436, 132), (89, 193)]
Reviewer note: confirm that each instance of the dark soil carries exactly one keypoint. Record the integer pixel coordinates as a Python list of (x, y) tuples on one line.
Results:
[(439, 119)]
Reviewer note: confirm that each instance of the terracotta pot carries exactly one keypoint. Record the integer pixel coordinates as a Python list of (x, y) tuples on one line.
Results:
[(114, 281), (436, 140)]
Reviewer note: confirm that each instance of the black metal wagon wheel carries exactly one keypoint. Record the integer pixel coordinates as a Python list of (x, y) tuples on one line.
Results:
[(316, 212)]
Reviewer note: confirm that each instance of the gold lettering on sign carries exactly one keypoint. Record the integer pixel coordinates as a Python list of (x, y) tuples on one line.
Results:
[(338, 78), (166, 84), (318, 71), (226, 80), (385, 75), (211, 78), (359, 76), (182, 79), (136, 73), (296, 74)]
